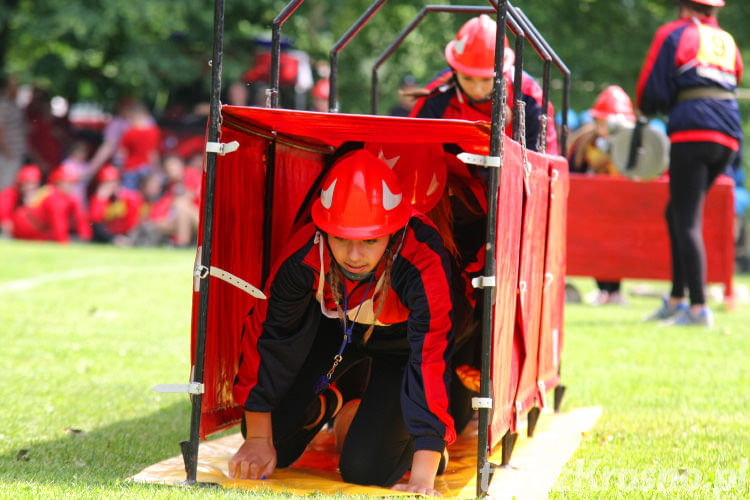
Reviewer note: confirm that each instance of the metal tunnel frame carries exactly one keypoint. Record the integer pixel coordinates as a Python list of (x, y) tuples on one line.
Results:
[(506, 14)]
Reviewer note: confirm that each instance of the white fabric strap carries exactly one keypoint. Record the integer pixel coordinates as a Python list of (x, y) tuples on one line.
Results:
[(191, 388), (238, 282)]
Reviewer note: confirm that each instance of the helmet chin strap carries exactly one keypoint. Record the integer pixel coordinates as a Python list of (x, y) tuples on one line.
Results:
[(355, 276)]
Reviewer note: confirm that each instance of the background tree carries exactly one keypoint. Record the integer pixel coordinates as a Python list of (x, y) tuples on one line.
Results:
[(98, 50)]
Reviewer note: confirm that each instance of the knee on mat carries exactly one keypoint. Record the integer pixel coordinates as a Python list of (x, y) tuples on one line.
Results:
[(361, 467)]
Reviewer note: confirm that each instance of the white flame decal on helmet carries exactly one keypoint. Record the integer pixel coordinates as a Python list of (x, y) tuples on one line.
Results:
[(460, 45), (326, 195), (391, 162), (390, 200), (434, 184)]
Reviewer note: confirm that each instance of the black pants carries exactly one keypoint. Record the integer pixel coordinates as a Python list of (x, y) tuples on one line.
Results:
[(608, 286), (693, 168), (378, 448)]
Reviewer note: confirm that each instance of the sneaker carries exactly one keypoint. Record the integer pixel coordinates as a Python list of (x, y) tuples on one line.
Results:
[(597, 298), (685, 318), (617, 299), (666, 311)]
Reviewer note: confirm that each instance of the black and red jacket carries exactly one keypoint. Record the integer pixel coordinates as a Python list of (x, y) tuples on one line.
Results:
[(446, 100), (687, 54), (279, 332)]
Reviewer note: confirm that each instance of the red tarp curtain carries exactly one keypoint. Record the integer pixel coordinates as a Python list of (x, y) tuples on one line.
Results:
[(302, 140), (531, 278), (553, 296), (507, 254)]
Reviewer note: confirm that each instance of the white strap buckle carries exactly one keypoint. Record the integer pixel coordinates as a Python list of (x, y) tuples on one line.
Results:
[(477, 403), (483, 282), (222, 148), (481, 160)]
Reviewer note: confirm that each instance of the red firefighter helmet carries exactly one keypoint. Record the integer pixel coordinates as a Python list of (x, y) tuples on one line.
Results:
[(63, 173), (108, 173), (420, 169), (711, 3), (322, 89), (361, 199), (473, 51), (611, 102), (28, 173)]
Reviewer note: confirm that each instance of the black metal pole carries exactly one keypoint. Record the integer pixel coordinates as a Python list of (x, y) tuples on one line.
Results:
[(517, 82), (566, 105), (459, 9), (374, 91), (190, 448), (278, 21), (342, 42), (566, 78), (268, 211), (496, 135), (334, 64)]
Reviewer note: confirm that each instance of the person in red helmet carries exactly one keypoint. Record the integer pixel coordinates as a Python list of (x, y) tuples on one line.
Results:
[(27, 182), (65, 178), (588, 146), (114, 210), (691, 73), (41, 212), (465, 91), (588, 152), (368, 281), (437, 184)]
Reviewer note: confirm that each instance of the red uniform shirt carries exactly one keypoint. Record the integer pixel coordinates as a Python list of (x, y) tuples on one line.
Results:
[(45, 217), (119, 215), (139, 146)]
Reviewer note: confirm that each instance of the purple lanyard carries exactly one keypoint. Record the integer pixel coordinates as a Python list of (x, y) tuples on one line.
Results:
[(325, 380)]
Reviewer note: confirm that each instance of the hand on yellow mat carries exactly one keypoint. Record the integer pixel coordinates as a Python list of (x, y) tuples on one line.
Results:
[(256, 458), (424, 467)]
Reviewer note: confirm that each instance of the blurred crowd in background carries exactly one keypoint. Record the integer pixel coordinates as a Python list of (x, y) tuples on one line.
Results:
[(126, 179), (74, 172)]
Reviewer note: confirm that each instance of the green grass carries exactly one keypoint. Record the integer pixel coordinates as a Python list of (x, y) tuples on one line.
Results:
[(87, 330)]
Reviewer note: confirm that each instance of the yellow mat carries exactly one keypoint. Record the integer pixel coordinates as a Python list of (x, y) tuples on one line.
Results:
[(535, 464)]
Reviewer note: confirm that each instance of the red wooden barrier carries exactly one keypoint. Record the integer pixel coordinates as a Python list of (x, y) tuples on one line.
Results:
[(617, 229)]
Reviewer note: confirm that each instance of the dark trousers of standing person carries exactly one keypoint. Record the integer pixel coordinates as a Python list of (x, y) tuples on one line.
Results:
[(378, 449), (608, 286), (693, 168)]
